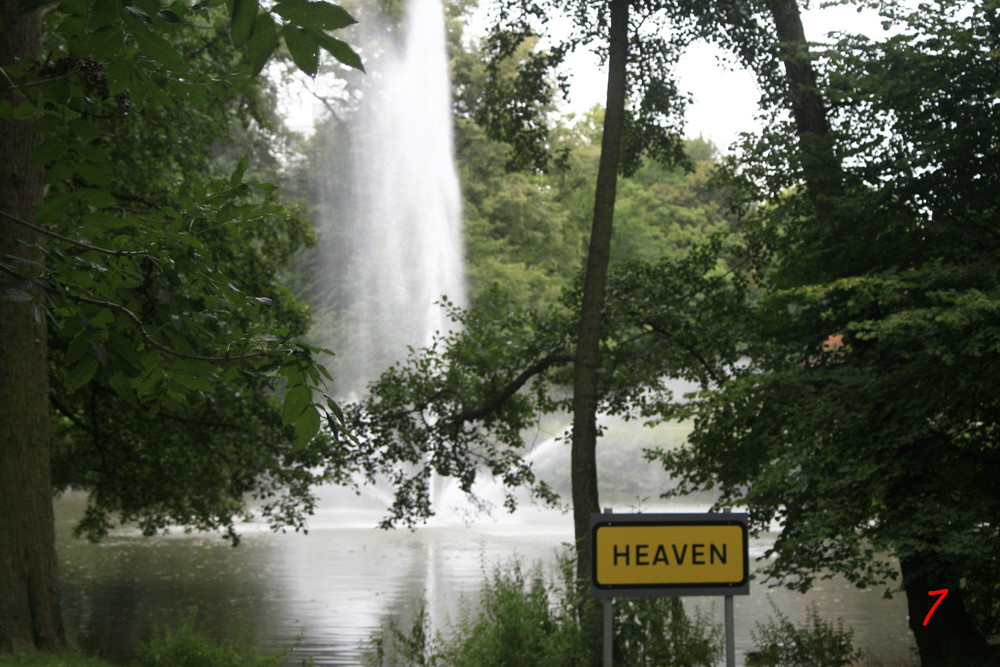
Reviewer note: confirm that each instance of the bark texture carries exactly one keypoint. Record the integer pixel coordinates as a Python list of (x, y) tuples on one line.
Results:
[(950, 638), (29, 595), (584, 441)]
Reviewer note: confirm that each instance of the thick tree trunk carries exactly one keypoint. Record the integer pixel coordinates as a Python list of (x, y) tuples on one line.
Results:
[(29, 596), (950, 638), (584, 444)]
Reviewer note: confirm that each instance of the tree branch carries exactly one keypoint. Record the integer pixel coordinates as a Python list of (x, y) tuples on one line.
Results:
[(498, 399), (81, 244), (168, 350)]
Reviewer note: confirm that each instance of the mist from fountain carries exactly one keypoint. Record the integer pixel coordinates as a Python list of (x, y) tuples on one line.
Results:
[(393, 246)]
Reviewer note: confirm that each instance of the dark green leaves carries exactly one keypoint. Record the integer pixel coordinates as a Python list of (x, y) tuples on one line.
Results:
[(304, 33), (16, 290), (339, 50), (322, 15), (304, 47), (262, 42), (243, 18)]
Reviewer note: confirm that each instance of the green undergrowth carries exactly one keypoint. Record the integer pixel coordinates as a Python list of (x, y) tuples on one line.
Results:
[(526, 618), (52, 660), (183, 646)]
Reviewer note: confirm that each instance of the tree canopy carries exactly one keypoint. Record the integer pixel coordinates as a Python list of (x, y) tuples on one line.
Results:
[(139, 253)]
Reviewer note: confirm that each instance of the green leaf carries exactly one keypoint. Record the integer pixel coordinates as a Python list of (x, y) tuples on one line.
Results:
[(262, 43), (339, 50), (138, 14), (243, 18), (190, 381), (104, 13), (81, 374), (323, 15), (307, 426), (104, 43), (296, 400), (54, 207), (304, 48), (169, 16), (155, 46), (241, 168), (51, 149), (97, 197), (123, 387)]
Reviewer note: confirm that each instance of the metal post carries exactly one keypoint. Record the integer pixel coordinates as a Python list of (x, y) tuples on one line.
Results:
[(730, 629), (609, 632), (609, 620), (730, 634)]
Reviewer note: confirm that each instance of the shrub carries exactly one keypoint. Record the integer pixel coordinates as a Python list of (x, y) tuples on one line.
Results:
[(526, 619), (186, 647), (816, 644), (657, 631)]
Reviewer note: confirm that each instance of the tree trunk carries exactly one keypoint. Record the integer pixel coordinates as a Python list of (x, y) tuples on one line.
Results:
[(29, 595), (821, 168), (584, 443), (950, 638)]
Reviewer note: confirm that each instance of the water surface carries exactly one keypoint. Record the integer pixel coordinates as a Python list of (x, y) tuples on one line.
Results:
[(327, 592)]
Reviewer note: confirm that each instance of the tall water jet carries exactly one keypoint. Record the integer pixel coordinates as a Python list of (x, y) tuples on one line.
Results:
[(395, 245)]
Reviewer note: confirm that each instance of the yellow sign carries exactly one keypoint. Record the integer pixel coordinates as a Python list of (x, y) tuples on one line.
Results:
[(653, 551)]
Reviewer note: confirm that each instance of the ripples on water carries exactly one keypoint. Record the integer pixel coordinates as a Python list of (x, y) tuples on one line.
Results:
[(329, 591)]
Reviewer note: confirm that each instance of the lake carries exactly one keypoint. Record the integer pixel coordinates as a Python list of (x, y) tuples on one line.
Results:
[(327, 592)]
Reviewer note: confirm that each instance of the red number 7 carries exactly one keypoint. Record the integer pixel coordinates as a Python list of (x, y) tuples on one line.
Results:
[(943, 592)]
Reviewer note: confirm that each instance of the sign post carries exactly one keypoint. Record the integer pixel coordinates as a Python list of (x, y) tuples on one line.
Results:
[(665, 555)]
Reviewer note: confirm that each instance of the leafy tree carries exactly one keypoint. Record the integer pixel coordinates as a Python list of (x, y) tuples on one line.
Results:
[(865, 420), (139, 276)]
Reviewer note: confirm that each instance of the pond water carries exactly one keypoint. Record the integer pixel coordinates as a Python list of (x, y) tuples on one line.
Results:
[(327, 592)]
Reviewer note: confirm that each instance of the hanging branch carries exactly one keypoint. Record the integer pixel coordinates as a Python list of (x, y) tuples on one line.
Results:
[(81, 244)]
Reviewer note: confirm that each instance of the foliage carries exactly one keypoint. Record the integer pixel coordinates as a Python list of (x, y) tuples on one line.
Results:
[(525, 618), (870, 394), (657, 631), (521, 89), (51, 660), (817, 643), (167, 325), (460, 405), (186, 647)]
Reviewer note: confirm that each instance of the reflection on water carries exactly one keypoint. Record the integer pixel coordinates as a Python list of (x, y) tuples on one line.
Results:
[(331, 589)]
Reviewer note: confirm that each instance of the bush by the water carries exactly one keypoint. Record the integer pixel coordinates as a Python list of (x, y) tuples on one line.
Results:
[(524, 618), (187, 647), (817, 643)]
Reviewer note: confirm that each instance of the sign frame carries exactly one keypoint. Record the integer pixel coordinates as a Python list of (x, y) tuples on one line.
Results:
[(647, 590)]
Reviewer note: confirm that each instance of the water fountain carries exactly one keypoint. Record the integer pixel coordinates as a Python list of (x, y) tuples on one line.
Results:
[(396, 246)]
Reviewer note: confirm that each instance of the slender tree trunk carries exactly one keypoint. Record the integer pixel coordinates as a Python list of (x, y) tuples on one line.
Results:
[(821, 168), (29, 596), (584, 444)]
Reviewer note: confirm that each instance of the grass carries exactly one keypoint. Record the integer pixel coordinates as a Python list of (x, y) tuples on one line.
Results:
[(67, 659), (183, 646)]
